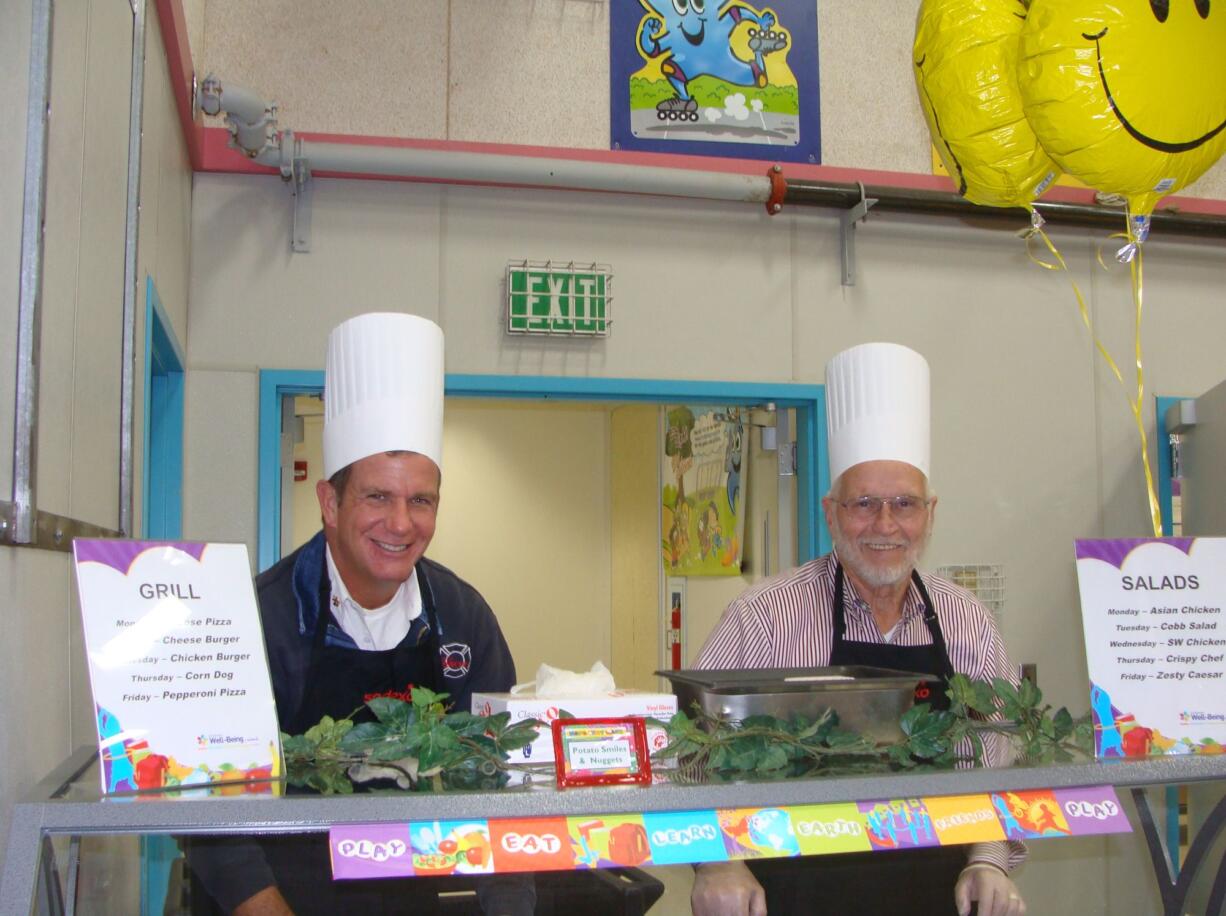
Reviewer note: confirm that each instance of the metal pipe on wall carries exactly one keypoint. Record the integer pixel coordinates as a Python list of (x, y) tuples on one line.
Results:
[(916, 200), (21, 522), (285, 151), (19, 525), (519, 171), (260, 142), (127, 396)]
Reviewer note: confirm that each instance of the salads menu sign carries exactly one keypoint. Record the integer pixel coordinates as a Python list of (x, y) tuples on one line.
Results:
[(177, 665), (1152, 609)]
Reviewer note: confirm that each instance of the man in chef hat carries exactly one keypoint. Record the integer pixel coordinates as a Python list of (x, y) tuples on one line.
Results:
[(358, 611), (865, 604)]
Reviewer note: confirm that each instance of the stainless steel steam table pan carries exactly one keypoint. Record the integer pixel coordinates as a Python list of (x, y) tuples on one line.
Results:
[(869, 701)]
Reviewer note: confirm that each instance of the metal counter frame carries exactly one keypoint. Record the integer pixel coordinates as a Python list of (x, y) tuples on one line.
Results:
[(45, 813)]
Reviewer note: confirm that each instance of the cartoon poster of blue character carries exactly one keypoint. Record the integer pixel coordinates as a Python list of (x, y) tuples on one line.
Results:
[(716, 78)]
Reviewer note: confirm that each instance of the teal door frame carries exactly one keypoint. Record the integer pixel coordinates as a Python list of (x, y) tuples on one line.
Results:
[(162, 489), (812, 475), (1166, 471)]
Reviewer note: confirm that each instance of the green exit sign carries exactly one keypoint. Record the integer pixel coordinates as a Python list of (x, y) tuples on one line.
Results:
[(563, 298)]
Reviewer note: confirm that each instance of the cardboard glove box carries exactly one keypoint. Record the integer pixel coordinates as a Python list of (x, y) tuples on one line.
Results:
[(615, 704)]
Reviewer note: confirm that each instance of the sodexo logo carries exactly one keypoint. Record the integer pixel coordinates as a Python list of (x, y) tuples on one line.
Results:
[(372, 851), (531, 844)]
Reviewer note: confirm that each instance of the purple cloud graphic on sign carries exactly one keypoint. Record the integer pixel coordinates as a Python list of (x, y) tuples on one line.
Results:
[(1116, 551), (120, 555)]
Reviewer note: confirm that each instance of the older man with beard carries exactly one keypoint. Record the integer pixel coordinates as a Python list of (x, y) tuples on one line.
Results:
[(865, 604)]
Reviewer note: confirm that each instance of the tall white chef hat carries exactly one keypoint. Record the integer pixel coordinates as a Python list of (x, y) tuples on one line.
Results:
[(383, 389), (877, 407)]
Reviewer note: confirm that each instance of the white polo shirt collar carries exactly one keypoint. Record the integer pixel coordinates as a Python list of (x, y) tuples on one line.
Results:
[(377, 629)]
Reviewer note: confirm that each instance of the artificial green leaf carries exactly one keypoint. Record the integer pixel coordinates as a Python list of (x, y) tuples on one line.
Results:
[(363, 736), (466, 724), (1064, 723), (773, 758), (1004, 688), (392, 749), (760, 721), (914, 718), (1029, 695), (497, 723), (900, 755), (436, 747), (391, 711), (298, 745), (519, 736), (982, 698), (424, 697)]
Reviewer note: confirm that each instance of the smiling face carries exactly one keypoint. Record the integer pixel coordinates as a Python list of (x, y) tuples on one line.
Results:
[(882, 550), (687, 17), (1128, 95), (379, 525)]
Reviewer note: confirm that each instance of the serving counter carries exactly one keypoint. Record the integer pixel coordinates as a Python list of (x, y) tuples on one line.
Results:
[(68, 806)]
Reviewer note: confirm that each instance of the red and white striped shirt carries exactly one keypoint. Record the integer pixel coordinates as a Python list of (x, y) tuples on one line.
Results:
[(787, 621)]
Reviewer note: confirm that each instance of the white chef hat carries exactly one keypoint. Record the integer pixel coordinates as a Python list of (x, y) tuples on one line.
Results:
[(383, 389), (877, 407)]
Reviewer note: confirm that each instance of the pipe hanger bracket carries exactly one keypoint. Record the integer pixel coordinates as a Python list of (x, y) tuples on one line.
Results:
[(847, 233), (298, 173)]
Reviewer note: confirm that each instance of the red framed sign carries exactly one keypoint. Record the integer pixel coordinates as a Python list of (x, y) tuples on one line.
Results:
[(601, 752)]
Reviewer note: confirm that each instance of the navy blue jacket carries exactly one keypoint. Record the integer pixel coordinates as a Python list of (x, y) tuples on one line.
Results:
[(473, 654)]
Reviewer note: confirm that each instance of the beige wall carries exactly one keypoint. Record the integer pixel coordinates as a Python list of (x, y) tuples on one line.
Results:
[(525, 518), (535, 72), (634, 483), (42, 671)]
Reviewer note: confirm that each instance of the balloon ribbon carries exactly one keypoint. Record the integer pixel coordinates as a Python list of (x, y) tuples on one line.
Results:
[(1134, 261)]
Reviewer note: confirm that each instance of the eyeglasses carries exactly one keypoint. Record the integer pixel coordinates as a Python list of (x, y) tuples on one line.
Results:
[(866, 508)]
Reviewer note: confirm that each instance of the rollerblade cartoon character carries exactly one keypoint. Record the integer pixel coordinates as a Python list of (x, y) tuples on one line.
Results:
[(695, 39)]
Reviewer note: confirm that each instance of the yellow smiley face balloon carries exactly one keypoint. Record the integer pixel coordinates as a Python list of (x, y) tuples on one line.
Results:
[(965, 62), (1127, 95)]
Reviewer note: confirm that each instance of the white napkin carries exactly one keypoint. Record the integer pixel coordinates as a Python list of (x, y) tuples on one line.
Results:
[(557, 682)]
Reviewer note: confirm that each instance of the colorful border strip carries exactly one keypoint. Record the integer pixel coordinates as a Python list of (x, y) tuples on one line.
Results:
[(479, 847)]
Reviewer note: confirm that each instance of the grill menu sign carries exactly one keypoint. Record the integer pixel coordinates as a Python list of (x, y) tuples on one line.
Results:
[(177, 666), (1152, 609)]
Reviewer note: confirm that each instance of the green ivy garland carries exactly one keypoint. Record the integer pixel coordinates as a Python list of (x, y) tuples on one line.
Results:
[(421, 746)]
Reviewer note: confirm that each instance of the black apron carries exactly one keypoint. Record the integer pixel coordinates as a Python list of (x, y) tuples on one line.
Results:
[(909, 881), (339, 681)]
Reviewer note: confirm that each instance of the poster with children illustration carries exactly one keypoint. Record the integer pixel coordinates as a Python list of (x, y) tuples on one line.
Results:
[(703, 497), (715, 78)]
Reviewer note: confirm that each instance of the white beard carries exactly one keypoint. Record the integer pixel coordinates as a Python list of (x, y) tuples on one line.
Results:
[(854, 555)]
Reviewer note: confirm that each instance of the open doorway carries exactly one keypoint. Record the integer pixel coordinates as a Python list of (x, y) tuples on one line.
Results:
[(551, 506)]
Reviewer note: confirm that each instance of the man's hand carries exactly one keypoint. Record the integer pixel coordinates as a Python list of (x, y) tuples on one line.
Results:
[(986, 884), (267, 902), (726, 889)]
